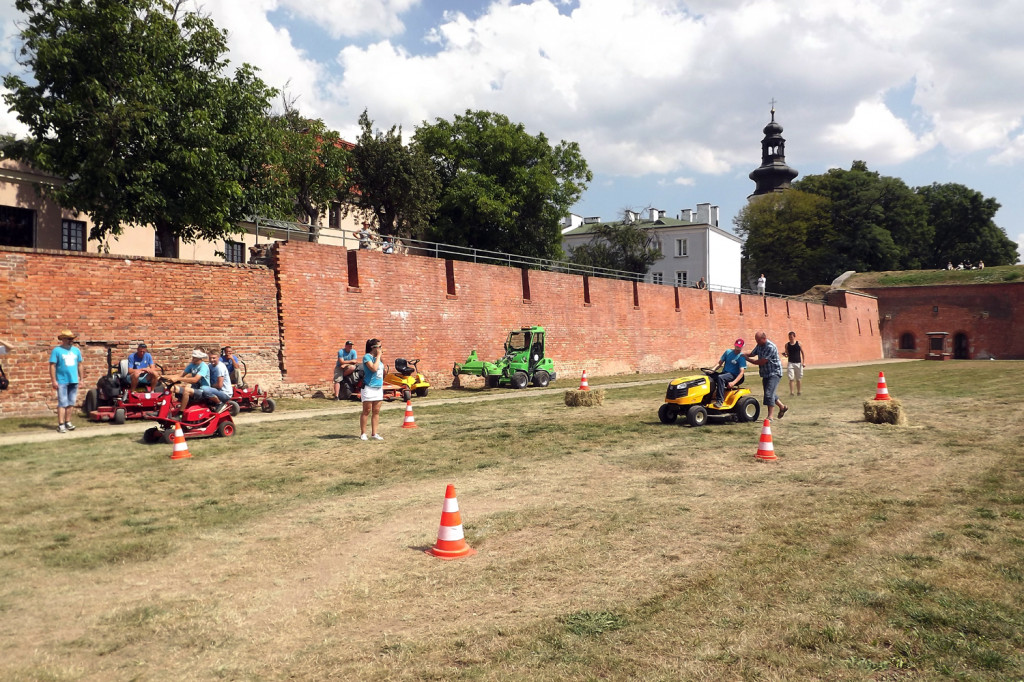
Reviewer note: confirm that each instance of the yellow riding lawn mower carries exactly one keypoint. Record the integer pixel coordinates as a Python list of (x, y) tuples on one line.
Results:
[(691, 397)]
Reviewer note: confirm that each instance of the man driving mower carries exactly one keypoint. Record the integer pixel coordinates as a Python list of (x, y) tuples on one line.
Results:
[(729, 371), (194, 378)]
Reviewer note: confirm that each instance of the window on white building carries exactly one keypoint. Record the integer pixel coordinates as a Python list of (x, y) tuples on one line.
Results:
[(657, 278), (681, 278), (682, 248)]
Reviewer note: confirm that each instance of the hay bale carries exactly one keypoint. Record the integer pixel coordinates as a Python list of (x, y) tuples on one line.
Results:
[(885, 412), (589, 398)]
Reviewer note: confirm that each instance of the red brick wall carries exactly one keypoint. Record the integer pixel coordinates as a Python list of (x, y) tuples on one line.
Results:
[(404, 300), (174, 306), (991, 316)]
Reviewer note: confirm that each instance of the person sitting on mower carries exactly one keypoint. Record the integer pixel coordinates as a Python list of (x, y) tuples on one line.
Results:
[(218, 393), (193, 379), (730, 369), (141, 369), (232, 363), (345, 366)]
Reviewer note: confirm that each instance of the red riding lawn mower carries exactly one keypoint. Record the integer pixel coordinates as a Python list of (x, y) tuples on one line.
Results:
[(113, 400), (248, 397), (199, 419)]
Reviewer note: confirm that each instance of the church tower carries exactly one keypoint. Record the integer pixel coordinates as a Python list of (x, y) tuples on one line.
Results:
[(773, 175)]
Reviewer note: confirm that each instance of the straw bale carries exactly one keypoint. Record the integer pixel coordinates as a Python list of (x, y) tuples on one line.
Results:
[(885, 412), (589, 398)]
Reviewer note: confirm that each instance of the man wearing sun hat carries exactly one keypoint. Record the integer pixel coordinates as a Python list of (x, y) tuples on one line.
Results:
[(193, 379), (65, 374), (731, 367)]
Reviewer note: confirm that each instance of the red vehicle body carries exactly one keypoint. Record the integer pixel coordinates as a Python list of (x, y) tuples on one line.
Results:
[(198, 421), (113, 400), (249, 397)]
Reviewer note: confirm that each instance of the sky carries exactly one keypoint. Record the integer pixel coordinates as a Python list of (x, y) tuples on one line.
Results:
[(667, 99)]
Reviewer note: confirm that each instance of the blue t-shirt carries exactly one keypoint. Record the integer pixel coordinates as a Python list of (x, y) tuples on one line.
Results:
[(201, 370), (135, 363), (370, 378), (228, 362), (349, 354), (66, 361), (732, 361), (220, 370)]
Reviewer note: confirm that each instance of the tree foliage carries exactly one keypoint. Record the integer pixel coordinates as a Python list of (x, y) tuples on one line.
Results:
[(394, 183), (619, 246), (964, 227), (502, 189), (131, 105)]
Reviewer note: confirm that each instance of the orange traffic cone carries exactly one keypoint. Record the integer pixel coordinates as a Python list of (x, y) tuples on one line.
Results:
[(410, 421), (583, 382), (180, 450), (451, 543), (882, 393), (765, 449)]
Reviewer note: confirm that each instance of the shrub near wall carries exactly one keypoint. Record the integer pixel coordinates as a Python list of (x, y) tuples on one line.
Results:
[(114, 302)]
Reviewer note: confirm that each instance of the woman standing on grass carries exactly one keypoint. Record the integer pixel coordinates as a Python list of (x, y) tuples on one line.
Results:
[(372, 394)]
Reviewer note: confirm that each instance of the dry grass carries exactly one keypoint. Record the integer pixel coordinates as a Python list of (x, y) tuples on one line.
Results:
[(610, 546)]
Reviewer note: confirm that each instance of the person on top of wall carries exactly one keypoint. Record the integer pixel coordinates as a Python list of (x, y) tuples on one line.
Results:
[(141, 369), (761, 282), (65, 375), (701, 284)]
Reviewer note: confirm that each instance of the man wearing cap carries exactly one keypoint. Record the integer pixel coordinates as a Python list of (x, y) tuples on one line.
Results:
[(731, 367), (346, 365), (141, 369), (194, 378), (770, 370), (65, 370)]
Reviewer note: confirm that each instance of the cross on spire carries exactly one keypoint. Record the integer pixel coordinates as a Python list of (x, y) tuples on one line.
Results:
[(773, 108)]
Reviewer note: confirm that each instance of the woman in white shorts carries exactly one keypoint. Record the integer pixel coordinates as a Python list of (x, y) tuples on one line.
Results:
[(372, 393)]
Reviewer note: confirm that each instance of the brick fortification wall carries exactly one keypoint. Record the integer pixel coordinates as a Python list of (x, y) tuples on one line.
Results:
[(174, 306), (990, 315), (426, 308)]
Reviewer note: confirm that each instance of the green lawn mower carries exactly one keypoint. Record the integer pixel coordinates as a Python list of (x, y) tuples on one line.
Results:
[(523, 363)]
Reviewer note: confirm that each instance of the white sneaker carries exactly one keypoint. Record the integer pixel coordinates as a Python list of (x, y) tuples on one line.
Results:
[(377, 436), (362, 436), (69, 426), (61, 429)]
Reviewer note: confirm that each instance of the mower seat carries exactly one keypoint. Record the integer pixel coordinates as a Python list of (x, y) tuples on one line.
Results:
[(403, 367)]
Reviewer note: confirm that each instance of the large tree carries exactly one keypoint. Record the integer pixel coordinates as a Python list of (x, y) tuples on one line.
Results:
[(502, 189), (393, 182), (619, 246), (964, 227), (131, 104)]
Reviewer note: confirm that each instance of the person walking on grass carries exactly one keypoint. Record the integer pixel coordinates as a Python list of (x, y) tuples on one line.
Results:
[(65, 374), (770, 369), (797, 361), (372, 394)]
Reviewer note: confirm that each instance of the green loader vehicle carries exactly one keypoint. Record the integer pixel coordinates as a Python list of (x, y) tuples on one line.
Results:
[(523, 363)]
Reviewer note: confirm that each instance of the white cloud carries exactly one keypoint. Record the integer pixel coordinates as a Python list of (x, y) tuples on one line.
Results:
[(874, 132), (351, 18)]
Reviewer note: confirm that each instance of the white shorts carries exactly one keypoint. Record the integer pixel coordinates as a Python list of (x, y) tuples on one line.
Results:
[(371, 394), (796, 371)]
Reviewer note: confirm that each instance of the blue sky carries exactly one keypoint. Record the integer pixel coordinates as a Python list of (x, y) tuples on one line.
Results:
[(667, 99)]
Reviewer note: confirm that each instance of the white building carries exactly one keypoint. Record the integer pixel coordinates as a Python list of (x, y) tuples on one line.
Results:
[(692, 246)]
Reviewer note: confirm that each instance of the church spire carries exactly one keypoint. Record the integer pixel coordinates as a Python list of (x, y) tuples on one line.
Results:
[(773, 175)]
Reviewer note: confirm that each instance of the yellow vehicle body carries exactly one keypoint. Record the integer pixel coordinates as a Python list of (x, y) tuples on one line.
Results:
[(690, 397), (407, 379)]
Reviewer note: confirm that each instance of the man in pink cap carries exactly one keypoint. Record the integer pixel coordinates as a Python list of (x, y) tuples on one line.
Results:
[(731, 367)]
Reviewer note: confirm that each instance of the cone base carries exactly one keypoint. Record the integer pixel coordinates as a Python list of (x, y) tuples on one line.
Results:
[(762, 458), (882, 397), (187, 455), (453, 554), (409, 426)]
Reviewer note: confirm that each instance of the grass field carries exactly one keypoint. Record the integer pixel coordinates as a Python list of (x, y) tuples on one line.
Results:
[(610, 546)]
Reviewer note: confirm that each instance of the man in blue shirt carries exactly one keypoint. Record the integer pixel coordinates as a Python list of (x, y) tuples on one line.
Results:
[(731, 367), (219, 391), (65, 364), (194, 378), (770, 370), (141, 369), (233, 364), (347, 362)]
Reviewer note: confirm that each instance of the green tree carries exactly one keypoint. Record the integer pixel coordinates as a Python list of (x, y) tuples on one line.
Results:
[(313, 168), (619, 246), (789, 237), (394, 183), (502, 189), (964, 228), (131, 105)]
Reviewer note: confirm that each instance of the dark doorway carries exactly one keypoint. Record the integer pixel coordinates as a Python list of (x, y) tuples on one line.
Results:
[(960, 347)]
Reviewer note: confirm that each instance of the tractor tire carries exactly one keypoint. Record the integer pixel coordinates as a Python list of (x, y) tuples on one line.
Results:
[(91, 402), (421, 392), (519, 380), (748, 409), (151, 435), (226, 429), (268, 405), (120, 416), (491, 381), (697, 415), (541, 378), (668, 413), (406, 395), (234, 408)]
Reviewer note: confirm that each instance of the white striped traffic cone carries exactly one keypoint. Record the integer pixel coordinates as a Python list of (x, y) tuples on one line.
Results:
[(882, 393), (451, 542), (765, 448), (583, 382), (410, 420), (180, 450)]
